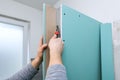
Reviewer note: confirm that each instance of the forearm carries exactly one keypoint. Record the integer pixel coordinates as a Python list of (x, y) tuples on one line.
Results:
[(26, 73), (55, 59), (36, 62), (56, 72)]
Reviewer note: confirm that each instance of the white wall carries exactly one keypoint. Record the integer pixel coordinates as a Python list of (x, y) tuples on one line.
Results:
[(20, 11), (101, 10)]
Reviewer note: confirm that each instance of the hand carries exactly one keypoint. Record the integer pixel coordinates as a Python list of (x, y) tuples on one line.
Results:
[(56, 48), (38, 59)]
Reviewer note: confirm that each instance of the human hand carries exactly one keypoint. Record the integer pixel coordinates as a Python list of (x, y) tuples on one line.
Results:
[(41, 48), (38, 59), (56, 48)]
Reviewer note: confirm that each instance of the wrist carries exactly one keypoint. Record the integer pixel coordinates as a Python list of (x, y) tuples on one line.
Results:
[(36, 62), (57, 53), (55, 59)]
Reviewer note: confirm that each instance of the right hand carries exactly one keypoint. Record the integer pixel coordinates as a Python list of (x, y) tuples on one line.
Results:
[(56, 48)]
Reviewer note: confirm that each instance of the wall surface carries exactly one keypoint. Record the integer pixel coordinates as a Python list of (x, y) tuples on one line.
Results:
[(101, 10), (20, 11)]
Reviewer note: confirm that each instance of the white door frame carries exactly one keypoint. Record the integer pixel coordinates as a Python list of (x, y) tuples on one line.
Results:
[(26, 33)]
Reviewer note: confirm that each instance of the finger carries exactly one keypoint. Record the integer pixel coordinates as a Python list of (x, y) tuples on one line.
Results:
[(54, 37), (41, 41), (44, 46)]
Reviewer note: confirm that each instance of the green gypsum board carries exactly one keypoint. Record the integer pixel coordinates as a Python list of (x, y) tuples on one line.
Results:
[(107, 52), (81, 36)]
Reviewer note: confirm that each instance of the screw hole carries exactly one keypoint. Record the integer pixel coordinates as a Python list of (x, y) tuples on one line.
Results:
[(63, 40), (64, 14), (79, 15)]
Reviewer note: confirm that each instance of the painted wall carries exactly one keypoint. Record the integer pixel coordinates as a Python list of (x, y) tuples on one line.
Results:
[(102, 10), (20, 11)]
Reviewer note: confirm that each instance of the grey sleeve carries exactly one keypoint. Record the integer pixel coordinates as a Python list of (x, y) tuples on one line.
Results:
[(27, 73), (56, 72)]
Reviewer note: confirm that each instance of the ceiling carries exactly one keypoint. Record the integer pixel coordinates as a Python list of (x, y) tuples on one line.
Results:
[(37, 4)]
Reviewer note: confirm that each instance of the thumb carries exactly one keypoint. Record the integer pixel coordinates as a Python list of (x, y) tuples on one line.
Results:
[(54, 37)]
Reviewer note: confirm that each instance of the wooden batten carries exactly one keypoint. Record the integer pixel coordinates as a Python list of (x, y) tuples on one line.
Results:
[(50, 27)]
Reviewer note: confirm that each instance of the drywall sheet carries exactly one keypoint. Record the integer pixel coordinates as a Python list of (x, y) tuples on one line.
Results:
[(81, 36), (107, 52)]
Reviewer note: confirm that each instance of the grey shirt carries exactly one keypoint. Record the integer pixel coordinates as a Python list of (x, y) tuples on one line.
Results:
[(54, 72)]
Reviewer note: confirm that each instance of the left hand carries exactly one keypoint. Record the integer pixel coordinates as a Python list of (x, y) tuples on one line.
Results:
[(41, 48), (37, 61)]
